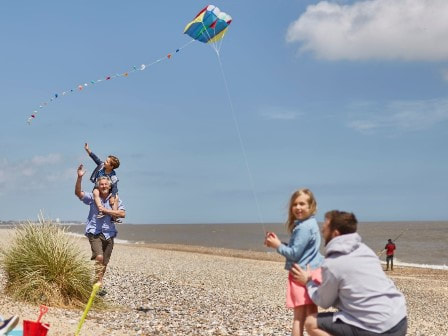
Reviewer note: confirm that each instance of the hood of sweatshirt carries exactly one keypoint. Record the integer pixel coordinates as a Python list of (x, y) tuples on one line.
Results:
[(343, 244)]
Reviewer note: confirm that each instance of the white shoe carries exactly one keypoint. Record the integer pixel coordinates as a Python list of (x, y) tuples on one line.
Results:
[(7, 325)]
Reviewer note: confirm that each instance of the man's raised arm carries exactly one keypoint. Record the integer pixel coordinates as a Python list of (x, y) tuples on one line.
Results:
[(78, 191)]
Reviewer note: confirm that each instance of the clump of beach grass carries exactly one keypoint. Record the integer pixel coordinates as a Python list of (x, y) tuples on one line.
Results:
[(43, 265)]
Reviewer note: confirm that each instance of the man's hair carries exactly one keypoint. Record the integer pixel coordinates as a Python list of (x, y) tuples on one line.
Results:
[(99, 179), (344, 222), (114, 161)]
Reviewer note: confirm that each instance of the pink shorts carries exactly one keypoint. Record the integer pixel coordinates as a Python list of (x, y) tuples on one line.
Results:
[(296, 294)]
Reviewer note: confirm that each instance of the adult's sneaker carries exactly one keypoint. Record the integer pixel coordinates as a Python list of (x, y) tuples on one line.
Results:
[(102, 292)]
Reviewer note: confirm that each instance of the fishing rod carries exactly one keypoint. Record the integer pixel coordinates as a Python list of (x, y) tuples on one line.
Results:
[(394, 240)]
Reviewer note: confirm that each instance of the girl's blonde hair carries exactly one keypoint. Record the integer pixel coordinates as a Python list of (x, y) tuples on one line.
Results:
[(311, 202)]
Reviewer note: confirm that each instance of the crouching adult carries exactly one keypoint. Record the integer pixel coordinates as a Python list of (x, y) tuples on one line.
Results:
[(354, 282)]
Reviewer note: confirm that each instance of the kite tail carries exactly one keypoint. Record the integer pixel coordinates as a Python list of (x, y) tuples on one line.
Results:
[(88, 84)]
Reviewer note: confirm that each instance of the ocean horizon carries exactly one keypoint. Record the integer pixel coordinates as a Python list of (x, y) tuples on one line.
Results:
[(419, 243)]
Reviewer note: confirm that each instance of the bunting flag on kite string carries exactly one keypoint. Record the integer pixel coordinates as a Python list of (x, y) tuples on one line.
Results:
[(83, 86), (209, 26)]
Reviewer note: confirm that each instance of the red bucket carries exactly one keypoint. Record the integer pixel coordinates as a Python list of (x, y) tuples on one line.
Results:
[(31, 328)]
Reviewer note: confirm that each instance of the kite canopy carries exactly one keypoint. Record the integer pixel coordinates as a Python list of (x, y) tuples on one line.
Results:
[(209, 26)]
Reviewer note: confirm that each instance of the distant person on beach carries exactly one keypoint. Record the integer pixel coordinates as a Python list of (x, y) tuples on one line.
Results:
[(100, 231), (390, 248), (303, 248), (106, 168), (354, 282)]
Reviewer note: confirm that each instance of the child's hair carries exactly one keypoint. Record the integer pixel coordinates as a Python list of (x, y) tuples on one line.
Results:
[(114, 161), (344, 222), (311, 202)]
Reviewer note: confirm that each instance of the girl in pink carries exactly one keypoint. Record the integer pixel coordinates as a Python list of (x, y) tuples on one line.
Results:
[(302, 249)]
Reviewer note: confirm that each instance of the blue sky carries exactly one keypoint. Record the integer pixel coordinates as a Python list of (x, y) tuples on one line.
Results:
[(348, 98)]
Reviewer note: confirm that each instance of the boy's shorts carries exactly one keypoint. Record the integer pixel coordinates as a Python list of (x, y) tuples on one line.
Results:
[(339, 328), (101, 246)]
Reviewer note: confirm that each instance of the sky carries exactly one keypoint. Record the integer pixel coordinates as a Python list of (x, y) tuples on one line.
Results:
[(347, 98)]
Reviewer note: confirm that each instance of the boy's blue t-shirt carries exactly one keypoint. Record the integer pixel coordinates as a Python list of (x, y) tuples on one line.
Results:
[(100, 171)]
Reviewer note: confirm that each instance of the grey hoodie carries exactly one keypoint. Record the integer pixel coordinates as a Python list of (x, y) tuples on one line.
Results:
[(354, 281)]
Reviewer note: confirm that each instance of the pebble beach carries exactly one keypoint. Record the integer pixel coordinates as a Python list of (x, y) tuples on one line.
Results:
[(187, 290)]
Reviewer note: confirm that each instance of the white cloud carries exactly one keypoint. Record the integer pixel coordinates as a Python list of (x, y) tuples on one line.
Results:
[(402, 116), (48, 159), (25, 172), (32, 174), (375, 29), (279, 113), (64, 174)]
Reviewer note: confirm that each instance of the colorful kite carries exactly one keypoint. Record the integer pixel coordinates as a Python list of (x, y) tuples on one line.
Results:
[(209, 26)]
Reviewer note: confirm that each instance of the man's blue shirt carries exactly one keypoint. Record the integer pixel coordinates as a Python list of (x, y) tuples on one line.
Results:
[(102, 225)]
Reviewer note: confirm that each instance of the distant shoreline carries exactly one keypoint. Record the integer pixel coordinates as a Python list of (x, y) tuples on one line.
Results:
[(255, 255), (200, 238)]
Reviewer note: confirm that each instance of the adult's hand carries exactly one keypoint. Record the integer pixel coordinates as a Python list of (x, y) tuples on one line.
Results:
[(103, 209), (80, 171), (300, 275)]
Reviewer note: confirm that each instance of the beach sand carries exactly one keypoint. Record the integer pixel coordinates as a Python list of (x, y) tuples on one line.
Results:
[(185, 290)]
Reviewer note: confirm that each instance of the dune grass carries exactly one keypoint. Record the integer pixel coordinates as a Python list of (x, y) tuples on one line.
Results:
[(43, 265)]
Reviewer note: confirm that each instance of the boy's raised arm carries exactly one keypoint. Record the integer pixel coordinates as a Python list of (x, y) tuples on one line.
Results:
[(92, 155), (86, 147)]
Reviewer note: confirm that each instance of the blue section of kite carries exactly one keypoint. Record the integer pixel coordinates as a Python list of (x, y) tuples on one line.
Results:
[(209, 25)]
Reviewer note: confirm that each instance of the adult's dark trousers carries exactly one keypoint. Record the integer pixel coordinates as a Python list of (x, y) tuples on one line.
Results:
[(339, 328), (390, 259)]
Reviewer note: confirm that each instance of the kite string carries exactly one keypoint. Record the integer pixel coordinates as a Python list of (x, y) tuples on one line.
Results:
[(217, 47), (241, 142)]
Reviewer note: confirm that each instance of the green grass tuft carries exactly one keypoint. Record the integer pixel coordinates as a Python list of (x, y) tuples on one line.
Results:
[(43, 265)]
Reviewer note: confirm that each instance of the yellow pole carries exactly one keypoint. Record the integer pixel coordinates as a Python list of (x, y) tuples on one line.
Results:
[(95, 289)]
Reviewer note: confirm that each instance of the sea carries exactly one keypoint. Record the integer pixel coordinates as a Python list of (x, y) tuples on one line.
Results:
[(419, 243)]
